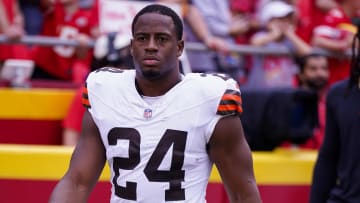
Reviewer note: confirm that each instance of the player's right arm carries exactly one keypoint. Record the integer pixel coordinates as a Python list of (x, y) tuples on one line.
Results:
[(86, 165), (229, 150)]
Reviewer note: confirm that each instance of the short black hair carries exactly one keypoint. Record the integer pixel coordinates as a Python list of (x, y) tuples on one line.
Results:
[(163, 10)]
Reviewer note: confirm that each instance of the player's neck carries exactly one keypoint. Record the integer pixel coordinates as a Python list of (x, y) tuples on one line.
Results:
[(154, 88)]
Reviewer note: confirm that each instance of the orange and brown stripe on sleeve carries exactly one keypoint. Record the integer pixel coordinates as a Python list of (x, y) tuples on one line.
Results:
[(230, 103), (85, 97)]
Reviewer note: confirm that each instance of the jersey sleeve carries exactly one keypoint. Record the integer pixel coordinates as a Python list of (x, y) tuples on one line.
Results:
[(230, 102), (85, 97)]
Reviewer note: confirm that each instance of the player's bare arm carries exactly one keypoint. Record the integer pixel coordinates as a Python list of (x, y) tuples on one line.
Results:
[(86, 165), (232, 156)]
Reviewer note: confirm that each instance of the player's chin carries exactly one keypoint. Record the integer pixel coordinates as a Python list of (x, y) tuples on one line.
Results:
[(151, 73)]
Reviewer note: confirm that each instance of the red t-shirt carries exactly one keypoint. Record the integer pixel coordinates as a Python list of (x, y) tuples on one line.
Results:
[(9, 9), (309, 16), (59, 60), (8, 51), (336, 26)]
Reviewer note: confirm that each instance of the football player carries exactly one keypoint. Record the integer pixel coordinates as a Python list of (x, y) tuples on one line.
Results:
[(159, 130)]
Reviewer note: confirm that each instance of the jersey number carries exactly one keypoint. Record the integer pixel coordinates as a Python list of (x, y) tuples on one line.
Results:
[(174, 176)]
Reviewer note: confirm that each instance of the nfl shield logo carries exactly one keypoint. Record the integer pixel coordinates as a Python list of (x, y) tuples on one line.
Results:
[(147, 113)]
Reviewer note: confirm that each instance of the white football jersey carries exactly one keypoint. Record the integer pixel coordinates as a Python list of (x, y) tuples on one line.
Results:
[(157, 150)]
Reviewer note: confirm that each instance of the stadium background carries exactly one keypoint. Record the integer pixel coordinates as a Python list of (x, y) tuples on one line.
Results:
[(29, 169)]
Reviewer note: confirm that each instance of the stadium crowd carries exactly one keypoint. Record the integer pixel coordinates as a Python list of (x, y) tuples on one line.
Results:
[(304, 27)]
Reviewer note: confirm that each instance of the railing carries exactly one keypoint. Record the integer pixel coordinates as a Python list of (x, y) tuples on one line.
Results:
[(241, 49)]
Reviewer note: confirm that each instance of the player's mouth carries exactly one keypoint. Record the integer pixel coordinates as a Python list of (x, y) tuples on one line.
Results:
[(150, 61)]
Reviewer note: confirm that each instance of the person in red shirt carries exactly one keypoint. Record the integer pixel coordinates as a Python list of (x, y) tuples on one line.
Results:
[(335, 34), (64, 19), (12, 26), (312, 13)]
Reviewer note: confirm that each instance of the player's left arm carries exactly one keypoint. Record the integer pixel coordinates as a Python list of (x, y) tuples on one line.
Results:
[(230, 152)]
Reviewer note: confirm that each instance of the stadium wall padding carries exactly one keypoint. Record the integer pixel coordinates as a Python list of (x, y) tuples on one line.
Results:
[(31, 171)]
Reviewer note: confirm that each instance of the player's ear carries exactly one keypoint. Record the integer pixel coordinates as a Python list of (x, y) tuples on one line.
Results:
[(180, 45)]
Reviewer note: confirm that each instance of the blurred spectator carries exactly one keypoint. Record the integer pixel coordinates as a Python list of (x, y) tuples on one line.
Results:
[(276, 71), (11, 21), (312, 13), (72, 121), (245, 14), (64, 19), (314, 76), (112, 50), (218, 18), (33, 16), (12, 26), (86, 4), (69, 19), (199, 26), (335, 34)]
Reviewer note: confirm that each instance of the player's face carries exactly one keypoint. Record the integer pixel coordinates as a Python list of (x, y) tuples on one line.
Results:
[(154, 46)]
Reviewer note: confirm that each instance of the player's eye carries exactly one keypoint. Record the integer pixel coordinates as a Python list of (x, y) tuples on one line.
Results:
[(163, 39), (140, 38)]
